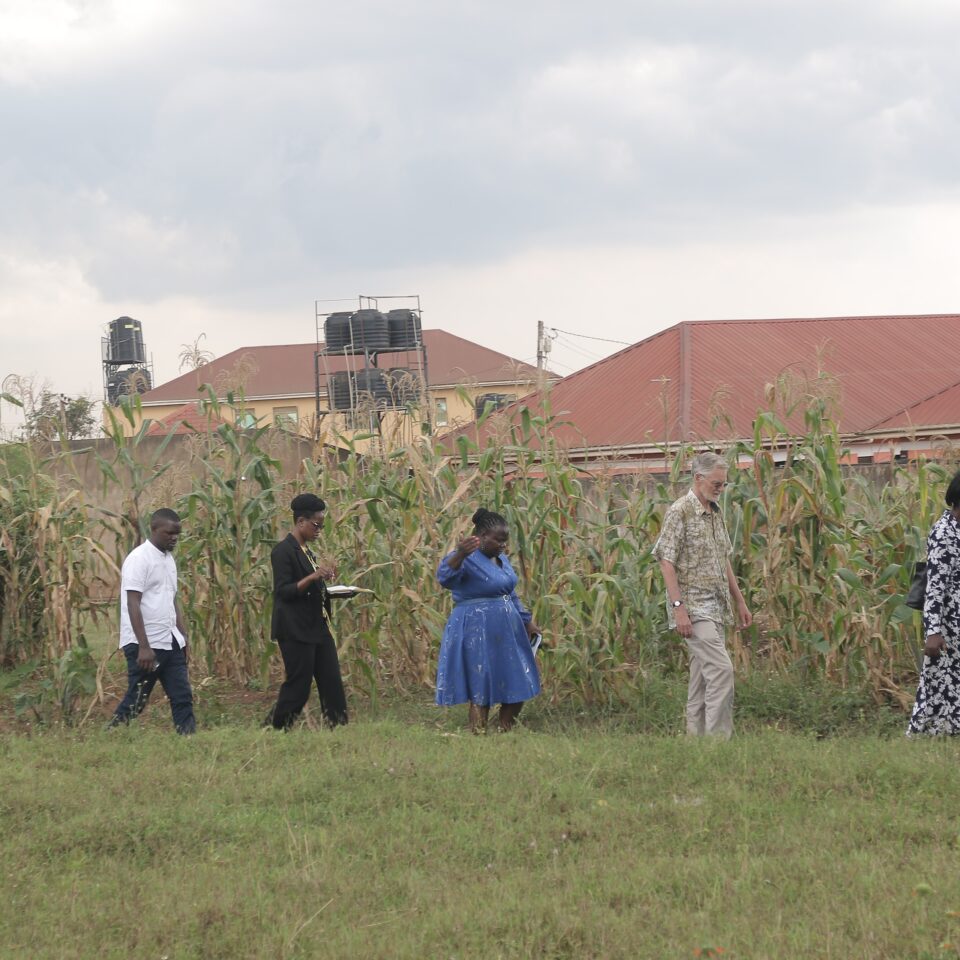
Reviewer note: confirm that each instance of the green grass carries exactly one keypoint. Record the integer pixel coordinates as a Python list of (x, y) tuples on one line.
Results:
[(389, 839), (786, 700)]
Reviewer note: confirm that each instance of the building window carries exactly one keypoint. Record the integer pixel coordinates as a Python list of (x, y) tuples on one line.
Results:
[(440, 406), (287, 417), (488, 402), (246, 418)]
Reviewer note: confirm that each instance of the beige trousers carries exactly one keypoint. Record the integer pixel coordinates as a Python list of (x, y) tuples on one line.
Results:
[(710, 694)]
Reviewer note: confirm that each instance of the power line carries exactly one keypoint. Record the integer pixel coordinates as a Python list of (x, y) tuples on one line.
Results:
[(557, 363), (568, 345), (585, 336)]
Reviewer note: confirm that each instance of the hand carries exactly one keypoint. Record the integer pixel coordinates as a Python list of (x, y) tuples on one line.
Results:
[(186, 656), (146, 659), (684, 623), (532, 629), (744, 616), (934, 646), (324, 571), (467, 545)]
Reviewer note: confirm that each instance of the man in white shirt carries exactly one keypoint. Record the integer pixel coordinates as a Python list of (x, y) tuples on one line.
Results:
[(152, 634)]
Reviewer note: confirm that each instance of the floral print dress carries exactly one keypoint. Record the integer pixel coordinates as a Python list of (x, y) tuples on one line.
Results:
[(937, 708)]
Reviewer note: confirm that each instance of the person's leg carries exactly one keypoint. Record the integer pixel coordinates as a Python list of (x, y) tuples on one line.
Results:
[(139, 684), (172, 673), (508, 715), (717, 678), (478, 718), (298, 661), (326, 673), (696, 705)]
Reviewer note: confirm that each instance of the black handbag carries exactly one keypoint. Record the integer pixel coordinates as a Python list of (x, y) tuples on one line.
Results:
[(918, 587)]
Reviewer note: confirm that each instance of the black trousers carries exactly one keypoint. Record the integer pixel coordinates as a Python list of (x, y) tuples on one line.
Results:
[(305, 662), (171, 671)]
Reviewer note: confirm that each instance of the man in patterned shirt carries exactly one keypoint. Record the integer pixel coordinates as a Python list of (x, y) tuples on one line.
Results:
[(694, 553)]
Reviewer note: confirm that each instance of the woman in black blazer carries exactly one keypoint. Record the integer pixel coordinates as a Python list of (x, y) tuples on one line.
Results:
[(301, 611)]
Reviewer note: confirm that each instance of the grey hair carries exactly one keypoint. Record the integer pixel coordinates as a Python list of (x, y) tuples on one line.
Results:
[(704, 463)]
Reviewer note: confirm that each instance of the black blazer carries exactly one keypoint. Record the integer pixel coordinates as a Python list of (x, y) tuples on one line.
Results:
[(299, 615)]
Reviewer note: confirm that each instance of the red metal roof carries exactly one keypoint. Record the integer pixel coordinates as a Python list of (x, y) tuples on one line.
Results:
[(287, 370), (188, 419), (940, 409), (708, 379)]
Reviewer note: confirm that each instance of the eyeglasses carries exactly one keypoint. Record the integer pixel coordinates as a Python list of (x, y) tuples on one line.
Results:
[(715, 484), (317, 524)]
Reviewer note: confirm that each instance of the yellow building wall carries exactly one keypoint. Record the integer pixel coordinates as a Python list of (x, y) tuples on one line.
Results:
[(450, 407)]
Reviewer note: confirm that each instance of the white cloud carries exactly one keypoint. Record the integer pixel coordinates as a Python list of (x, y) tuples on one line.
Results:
[(612, 168), (42, 41)]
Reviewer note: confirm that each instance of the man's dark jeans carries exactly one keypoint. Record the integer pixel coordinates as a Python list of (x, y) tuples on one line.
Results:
[(172, 673)]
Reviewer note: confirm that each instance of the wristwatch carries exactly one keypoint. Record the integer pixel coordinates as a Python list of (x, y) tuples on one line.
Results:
[(676, 603)]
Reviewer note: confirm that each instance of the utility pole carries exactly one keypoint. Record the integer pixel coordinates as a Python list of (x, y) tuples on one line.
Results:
[(539, 344)]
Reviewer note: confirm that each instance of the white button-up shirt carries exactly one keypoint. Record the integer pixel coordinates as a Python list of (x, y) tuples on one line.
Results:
[(153, 573)]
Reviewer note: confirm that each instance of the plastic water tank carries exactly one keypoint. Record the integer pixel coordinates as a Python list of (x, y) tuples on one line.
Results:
[(126, 382), (370, 331), (404, 328), (336, 331), (126, 341), (338, 390), (371, 384), (404, 386)]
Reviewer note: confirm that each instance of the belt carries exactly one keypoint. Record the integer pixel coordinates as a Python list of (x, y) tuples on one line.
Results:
[(505, 599)]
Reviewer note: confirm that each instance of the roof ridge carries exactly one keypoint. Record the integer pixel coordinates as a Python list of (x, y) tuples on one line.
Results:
[(865, 316), (911, 406)]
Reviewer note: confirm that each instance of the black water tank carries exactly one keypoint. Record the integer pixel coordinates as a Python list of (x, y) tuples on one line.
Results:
[(404, 328), (372, 385), (116, 388), (126, 341), (336, 331), (403, 385), (370, 332), (338, 390), (127, 382)]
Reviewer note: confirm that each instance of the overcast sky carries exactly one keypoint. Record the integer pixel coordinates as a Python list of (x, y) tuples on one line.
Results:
[(609, 167)]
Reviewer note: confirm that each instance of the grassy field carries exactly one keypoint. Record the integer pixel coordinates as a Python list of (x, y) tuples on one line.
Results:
[(410, 839)]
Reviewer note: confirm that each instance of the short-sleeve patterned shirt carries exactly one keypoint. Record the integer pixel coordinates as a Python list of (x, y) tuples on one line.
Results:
[(694, 539)]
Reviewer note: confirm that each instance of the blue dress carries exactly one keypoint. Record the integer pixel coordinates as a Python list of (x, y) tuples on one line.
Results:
[(485, 654)]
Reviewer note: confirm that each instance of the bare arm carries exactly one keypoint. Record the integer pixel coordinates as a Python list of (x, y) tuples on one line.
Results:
[(464, 548), (181, 621), (744, 617), (321, 573), (146, 659), (680, 614)]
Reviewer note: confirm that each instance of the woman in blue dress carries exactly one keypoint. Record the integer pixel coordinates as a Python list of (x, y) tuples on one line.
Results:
[(937, 707), (485, 655)]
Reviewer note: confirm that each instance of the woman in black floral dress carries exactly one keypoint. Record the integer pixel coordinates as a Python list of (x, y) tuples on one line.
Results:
[(937, 710)]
